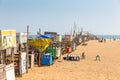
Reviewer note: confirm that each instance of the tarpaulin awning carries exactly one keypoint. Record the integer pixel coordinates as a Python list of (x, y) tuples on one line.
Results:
[(45, 36), (41, 44)]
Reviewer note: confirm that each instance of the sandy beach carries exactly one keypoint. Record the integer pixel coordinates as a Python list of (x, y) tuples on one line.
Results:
[(88, 69)]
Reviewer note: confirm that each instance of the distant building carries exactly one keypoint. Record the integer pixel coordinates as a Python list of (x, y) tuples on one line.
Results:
[(54, 34)]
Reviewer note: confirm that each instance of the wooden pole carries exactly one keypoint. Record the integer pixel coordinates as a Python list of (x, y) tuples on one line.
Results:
[(3, 59), (40, 53), (27, 50)]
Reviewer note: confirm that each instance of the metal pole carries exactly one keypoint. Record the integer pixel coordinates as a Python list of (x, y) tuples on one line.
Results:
[(27, 49), (39, 31)]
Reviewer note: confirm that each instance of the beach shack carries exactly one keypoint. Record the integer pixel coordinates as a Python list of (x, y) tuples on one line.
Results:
[(8, 48), (79, 39), (85, 37), (58, 45), (74, 44), (68, 40), (55, 46), (58, 38), (21, 54), (40, 44)]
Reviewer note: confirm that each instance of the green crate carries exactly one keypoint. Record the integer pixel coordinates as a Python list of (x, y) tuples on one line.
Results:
[(53, 51)]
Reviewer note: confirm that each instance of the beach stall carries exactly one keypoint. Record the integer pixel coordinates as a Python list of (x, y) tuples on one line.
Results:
[(58, 38), (40, 43), (7, 46), (55, 46), (20, 56), (85, 36), (58, 52), (55, 49), (79, 39), (68, 39), (58, 45), (20, 64), (63, 47), (73, 46)]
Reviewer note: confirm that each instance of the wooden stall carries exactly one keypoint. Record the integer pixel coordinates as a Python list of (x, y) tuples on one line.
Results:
[(8, 48)]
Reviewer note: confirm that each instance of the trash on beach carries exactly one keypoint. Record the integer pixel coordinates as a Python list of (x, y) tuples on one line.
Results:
[(72, 58)]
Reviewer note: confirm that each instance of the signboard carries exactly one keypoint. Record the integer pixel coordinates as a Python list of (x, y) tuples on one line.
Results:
[(23, 62), (10, 73), (22, 37), (7, 38)]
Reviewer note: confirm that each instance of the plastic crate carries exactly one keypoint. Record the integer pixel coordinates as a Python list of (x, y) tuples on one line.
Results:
[(47, 59)]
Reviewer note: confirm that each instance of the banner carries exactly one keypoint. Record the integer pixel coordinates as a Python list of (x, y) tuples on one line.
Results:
[(22, 37), (8, 38)]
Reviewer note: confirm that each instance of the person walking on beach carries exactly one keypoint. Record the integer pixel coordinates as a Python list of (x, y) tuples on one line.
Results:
[(97, 57), (83, 55)]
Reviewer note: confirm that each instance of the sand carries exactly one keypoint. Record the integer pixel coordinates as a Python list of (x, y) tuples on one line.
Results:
[(88, 69)]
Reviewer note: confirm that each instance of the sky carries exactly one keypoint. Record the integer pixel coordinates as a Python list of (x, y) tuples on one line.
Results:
[(95, 16)]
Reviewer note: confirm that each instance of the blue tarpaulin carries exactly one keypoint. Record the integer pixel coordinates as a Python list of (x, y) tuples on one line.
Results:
[(45, 36)]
